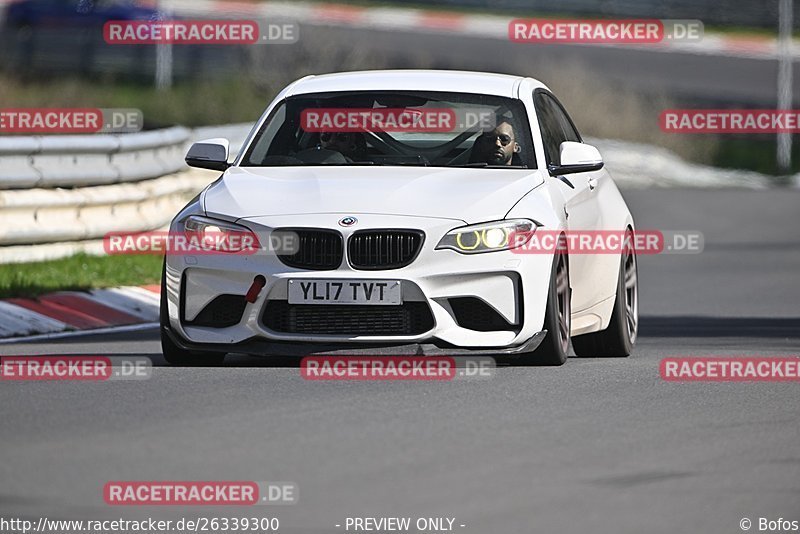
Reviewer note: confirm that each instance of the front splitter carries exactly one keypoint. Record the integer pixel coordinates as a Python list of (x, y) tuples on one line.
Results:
[(261, 347)]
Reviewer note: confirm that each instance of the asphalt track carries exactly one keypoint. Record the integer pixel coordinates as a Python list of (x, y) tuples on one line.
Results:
[(683, 77), (598, 445)]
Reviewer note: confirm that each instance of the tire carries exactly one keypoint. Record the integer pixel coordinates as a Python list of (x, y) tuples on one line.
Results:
[(557, 318), (618, 339), (174, 354)]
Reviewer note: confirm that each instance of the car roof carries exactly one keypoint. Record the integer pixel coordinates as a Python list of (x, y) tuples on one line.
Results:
[(412, 80)]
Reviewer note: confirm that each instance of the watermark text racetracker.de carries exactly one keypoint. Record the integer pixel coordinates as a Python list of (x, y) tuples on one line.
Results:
[(404, 368), (70, 120), (623, 31), (723, 121), (730, 369), (199, 32), (75, 368), (203, 242), (199, 493), (643, 242), (411, 120)]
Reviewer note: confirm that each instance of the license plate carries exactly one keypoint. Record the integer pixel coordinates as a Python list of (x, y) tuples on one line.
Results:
[(373, 292)]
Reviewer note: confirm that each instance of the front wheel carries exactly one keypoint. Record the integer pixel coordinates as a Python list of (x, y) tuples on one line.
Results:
[(557, 319), (618, 338)]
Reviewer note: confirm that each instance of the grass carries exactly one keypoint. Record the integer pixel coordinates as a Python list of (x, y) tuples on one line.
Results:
[(757, 153), (222, 102), (79, 272)]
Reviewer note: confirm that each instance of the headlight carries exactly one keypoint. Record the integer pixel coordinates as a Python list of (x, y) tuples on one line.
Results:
[(220, 236), (488, 237)]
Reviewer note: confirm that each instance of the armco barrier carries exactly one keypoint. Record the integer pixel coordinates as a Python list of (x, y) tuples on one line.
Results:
[(60, 194), (52, 215), (84, 160)]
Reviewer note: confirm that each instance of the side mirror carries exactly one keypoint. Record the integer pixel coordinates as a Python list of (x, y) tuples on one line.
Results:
[(209, 154), (577, 157)]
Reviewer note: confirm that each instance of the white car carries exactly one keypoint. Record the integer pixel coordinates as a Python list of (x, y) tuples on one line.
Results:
[(403, 238)]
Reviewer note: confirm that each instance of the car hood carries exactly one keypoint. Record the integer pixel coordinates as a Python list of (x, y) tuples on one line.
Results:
[(469, 195)]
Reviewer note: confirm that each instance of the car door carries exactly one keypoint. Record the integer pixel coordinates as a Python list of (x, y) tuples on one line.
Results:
[(579, 191)]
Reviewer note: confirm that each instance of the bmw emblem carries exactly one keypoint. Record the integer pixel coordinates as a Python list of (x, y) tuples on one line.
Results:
[(347, 221)]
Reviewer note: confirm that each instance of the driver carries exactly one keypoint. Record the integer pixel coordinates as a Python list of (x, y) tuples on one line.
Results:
[(351, 145), (496, 147)]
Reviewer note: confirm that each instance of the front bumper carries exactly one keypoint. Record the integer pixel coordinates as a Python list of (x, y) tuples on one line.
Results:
[(513, 285)]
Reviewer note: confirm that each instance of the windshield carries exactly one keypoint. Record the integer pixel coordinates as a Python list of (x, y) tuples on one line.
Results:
[(394, 128)]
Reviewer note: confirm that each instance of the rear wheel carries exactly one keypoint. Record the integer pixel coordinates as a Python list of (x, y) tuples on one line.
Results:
[(557, 319), (618, 338), (174, 354)]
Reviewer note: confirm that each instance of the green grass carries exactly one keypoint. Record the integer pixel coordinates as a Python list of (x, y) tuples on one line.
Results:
[(753, 154), (79, 272), (188, 103)]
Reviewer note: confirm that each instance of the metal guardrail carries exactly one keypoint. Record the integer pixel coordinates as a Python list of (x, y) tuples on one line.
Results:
[(58, 194), (84, 160)]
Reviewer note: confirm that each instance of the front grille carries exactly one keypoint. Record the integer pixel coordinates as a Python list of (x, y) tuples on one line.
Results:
[(223, 311), (475, 314), (407, 319), (383, 249), (318, 250)]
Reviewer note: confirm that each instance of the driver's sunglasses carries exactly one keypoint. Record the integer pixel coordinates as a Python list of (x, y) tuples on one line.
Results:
[(328, 136), (505, 139)]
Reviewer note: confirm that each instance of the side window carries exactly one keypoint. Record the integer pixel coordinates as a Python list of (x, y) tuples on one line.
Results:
[(570, 133), (555, 125), (551, 129)]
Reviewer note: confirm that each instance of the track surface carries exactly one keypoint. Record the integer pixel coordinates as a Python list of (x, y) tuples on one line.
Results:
[(594, 446)]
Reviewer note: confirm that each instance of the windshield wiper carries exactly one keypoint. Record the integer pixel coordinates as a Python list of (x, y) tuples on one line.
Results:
[(337, 164), (481, 165)]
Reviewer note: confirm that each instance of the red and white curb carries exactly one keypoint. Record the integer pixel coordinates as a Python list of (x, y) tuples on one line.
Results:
[(74, 311)]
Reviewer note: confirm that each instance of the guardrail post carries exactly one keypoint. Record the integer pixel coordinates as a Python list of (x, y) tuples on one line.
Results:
[(785, 60)]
